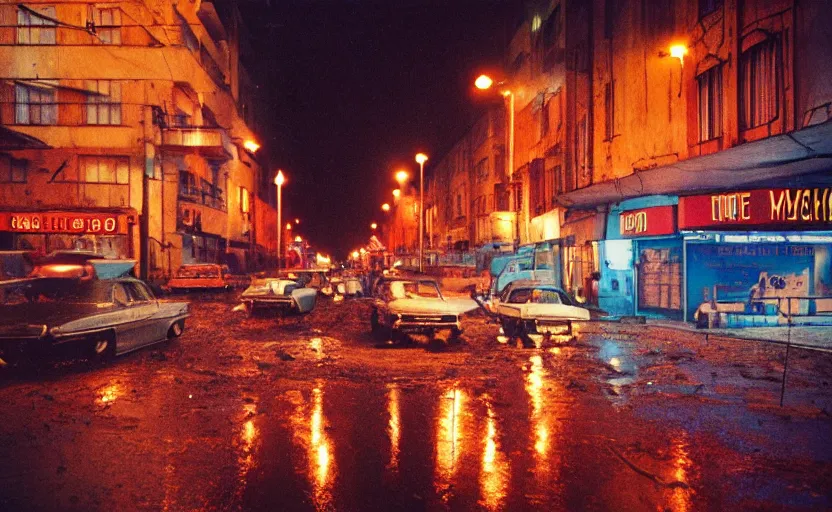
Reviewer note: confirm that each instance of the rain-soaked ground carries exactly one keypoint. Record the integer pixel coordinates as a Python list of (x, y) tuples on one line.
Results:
[(312, 414)]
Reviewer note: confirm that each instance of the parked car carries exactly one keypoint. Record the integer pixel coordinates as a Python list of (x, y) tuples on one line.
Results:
[(15, 264), (348, 286), (528, 309), (415, 306), (278, 294), (200, 277), (100, 314)]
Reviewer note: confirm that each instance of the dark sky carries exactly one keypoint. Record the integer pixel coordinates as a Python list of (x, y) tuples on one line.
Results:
[(354, 89)]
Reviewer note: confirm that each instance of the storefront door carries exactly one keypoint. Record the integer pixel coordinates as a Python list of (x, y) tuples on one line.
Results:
[(659, 278)]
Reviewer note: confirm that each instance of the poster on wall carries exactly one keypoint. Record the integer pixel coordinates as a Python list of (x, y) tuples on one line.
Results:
[(750, 276)]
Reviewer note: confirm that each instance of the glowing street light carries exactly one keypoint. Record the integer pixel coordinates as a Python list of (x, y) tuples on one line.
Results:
[(297, 221), (288, 226), (402, 177), (250, 145), (678, 51), (483, 82), (373, 226), (397, 193), (385, 207), (279, 180), (421, 158), (355, 255)]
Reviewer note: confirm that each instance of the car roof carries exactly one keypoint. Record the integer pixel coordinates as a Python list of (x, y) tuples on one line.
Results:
[(534, 283)]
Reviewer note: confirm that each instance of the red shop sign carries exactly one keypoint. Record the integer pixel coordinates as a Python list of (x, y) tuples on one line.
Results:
[(656, 220), (62, 222), (795, 208)]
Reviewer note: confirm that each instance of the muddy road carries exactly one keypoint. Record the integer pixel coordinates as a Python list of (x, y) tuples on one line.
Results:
[(313, 414)]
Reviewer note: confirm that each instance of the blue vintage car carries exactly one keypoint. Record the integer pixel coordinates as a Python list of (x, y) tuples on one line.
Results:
[(89, 308)]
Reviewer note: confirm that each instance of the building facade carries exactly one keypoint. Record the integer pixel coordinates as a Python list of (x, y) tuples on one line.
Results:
[(125, 126)]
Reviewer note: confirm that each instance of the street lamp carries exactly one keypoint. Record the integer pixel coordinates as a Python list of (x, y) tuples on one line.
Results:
[(373, 226), (385, 207), (401, 177), (484, 82), (251, 145), (397, 193), (421, 158), (279, 180)]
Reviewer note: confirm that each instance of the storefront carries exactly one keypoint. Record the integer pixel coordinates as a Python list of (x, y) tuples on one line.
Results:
[(107, 232), (581, 232), (642, 260), (748, 251)]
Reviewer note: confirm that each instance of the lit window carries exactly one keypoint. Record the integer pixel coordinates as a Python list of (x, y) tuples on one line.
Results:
[(759, 81), (35, 105), (103, 169), (245, 205), (36, 25), (536, 23), (107, 24), (709, 84), (103, 102)]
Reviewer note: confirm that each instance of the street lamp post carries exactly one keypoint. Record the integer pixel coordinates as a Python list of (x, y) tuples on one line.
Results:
[(484, 82), (279, 180), (421, 158)]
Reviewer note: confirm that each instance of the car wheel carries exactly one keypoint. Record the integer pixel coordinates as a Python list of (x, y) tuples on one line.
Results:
[(455, 334), (103, 347), (176, 329)]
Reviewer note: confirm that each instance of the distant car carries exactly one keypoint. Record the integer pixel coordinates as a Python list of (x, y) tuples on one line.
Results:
[(529, 308), (348, 286), (200, 277), (283, 296), (81, 313), (415, 306)]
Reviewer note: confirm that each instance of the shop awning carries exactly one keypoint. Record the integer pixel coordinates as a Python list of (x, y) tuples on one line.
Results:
[(780, 157), (10, 139)]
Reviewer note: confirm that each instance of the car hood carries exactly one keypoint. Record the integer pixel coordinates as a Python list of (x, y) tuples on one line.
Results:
[(50, 314), (550, 311), (427, 305)]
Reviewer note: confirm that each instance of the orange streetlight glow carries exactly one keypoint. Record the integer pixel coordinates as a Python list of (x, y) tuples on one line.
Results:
[(251, 146), (297, 221), (355, 255), (280, 179), (298, 239), (397, 193), (373, 225), (402, 176), (288, 226), (483, 82), (385, 207), (679, 51)]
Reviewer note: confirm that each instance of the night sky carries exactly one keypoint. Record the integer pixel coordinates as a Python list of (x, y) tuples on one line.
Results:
[(353, 90)]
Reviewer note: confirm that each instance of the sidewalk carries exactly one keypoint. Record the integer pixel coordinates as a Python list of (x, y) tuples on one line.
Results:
[(815, 337)]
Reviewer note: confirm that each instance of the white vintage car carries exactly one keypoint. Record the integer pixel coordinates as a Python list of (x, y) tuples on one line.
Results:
[(281, 295), (415, 306), (530, 309)]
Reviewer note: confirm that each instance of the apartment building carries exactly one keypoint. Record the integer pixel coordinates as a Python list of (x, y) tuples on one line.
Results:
[(127, 130)]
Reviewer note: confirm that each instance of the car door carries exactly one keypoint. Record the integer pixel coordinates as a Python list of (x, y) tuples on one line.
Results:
[(150, 328)]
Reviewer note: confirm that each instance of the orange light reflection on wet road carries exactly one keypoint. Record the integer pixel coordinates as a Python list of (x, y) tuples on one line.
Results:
[(448, 438), (393, 425), (495, 468)]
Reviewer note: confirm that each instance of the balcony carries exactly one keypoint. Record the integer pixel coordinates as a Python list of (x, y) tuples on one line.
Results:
[(207, 14), (205, 141)]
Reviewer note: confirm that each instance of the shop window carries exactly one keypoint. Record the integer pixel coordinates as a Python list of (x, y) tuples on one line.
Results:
[(36, 25), (101, 169), (103, 102), (107, 22), (35, 105), (709, 85), (759, 83), (12, 171)]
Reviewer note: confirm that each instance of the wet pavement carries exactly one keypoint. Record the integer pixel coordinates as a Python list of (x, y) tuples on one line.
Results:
[(313, 414)]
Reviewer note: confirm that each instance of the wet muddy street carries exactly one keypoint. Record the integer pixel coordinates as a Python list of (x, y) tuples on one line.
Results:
[(313, 414)]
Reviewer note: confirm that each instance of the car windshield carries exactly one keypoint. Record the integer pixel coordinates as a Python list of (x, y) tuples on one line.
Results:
[(68, 291), (198, 271), (414, 290), (538, 296)]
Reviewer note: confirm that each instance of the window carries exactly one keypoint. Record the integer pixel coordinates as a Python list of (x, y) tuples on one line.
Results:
[(609, 111), (706, 7), (245, 199), (759, 83), (187, 184), (551, 30), (103, 169), (107, 22), (709, 84), (35, 105), (481, 170), (103, 102), (12, 171), (35, 25)]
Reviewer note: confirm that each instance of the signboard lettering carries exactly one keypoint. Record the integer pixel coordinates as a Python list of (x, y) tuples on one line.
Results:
[(655, 220), (804, 208), (60, 222)]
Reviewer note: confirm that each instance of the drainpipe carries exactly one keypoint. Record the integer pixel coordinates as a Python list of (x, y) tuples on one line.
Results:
[(144, 218)]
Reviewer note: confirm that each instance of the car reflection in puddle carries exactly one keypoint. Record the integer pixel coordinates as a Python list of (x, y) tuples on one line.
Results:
[(621, 366)]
